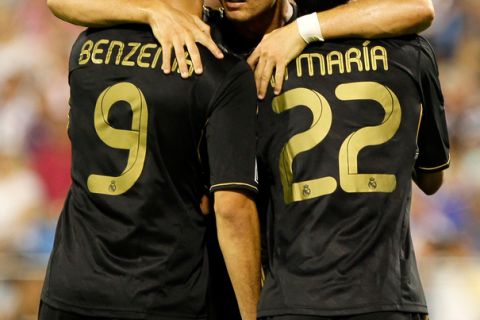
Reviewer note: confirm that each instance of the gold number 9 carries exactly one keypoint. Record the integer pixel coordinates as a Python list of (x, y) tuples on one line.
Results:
[(134, 140)]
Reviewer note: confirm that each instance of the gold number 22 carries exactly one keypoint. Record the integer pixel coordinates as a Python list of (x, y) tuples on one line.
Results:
[(350, 179), (134, 140)]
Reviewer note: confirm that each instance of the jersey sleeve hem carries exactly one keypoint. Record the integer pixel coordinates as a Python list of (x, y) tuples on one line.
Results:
[(434, 169), (234, 186)]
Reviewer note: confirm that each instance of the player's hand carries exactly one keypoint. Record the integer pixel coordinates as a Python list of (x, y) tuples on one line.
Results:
[(205, 205), (274, 52), (181, 32)]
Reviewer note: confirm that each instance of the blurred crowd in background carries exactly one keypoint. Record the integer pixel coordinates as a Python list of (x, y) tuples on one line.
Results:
[(35, 158)]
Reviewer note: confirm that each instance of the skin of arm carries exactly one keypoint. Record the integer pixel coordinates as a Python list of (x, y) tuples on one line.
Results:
[(429, 183), (376, 19), (358, 18), (172, 28), (239, 239)]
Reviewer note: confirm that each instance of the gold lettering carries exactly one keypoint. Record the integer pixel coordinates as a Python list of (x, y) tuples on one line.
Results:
[(97, 50), (112, 46), (353, 55), (310, 59), (379, 53), (175, 66), (321, 62), (189, 63), (335, 58), (366, 56), (126, 61), (145, 55), (299, 64), (352, 60), (85, 52), (155, 59)]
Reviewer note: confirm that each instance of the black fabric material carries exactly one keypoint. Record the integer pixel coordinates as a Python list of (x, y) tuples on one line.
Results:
[(344, 133), (368, 316), (130, 242), (309, 6)]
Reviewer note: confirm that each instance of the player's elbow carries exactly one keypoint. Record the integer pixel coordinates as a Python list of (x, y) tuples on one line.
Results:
[(429, 183), (235, 212), (57, 8), (65, 10), (425, 15), (53, 5), (430, 189)]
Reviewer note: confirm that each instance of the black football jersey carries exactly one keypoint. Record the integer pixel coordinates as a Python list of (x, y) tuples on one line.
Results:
[(336, 152), (309, 6), (130, 241)]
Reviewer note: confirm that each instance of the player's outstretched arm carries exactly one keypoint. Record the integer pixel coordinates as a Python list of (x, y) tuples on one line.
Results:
[(173, 29), (429, 183), (239, 238), (357, 18)]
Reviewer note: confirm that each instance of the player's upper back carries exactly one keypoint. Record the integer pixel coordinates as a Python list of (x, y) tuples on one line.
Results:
[(116, 78), (138, 174), (337, 148)]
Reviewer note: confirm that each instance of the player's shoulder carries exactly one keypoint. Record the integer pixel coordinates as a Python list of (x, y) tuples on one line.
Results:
[(127, 33), (426, 48), (132, 32), (413, 48)]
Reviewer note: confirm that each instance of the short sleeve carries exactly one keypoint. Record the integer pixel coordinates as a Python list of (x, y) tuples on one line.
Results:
[(230, 132), (433, 144)]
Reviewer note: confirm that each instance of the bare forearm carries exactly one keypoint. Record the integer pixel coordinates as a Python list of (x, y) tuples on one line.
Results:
[(238, 236), (376, 19), (93, 13)]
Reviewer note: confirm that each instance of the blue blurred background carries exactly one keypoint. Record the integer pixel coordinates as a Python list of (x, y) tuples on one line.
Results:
[(35, 157)]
